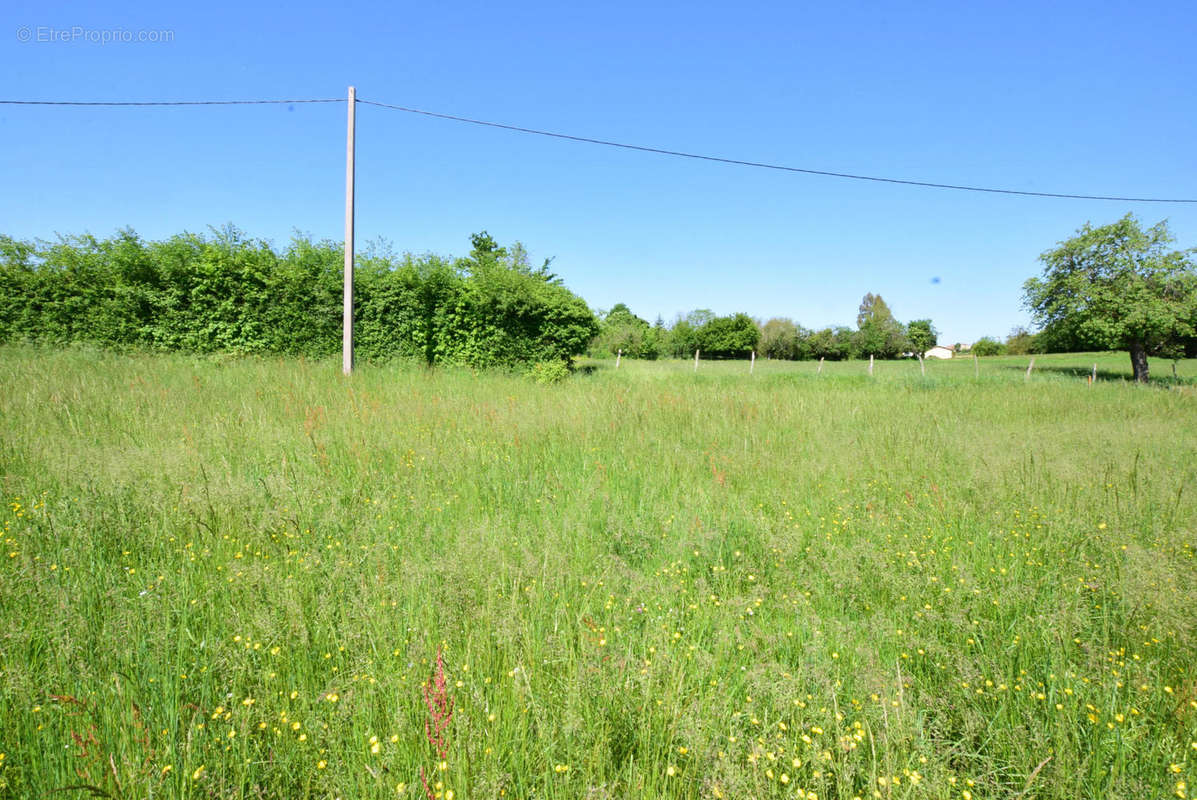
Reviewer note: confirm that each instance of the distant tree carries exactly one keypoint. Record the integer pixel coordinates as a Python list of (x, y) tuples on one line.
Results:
[(879, 334), (486, 251), (921, 335), (873, 308), (621, 330), (781, 338), (682, 339), (1020, 342), (985, 346), (834, 344), (1117, 286), (728, 337)]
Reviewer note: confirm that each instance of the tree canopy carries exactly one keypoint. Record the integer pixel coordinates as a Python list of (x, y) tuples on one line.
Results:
[(921, 335), (879, 334), (728, 337), (1117, 286), (623, 331)]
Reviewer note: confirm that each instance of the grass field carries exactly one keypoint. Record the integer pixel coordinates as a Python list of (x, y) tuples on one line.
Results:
[(232, 578)]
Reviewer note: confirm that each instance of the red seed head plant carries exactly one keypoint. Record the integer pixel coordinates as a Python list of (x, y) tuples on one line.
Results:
[(440, 715)]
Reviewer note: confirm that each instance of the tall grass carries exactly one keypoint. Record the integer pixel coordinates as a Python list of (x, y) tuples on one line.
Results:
[(232, 578)]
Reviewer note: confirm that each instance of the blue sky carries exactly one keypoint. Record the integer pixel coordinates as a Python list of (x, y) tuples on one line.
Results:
[(1091, 98)]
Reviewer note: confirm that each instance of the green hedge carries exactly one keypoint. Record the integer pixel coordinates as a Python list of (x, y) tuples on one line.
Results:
[(227, 292)]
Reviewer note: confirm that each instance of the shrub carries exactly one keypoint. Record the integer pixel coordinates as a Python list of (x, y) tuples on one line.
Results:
[(546, 372)]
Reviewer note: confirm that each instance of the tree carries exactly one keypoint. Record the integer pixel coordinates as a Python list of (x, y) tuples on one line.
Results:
[(781, 338), (832, 343), (873, 308), (728, 337), (622, 330), (880, 334), (921, 335), (987, 346), (682, 338), (1117, 287), (1020, 342)]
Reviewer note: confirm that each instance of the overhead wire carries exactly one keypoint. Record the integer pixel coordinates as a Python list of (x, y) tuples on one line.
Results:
[(620, 145)]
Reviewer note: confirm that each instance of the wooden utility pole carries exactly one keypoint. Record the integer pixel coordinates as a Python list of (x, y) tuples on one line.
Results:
[(347, 332)]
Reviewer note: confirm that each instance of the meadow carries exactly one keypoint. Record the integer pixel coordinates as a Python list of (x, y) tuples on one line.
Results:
[(234, 578)]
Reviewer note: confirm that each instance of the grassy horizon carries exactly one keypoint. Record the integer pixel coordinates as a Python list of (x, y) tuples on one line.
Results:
[(231, 577)]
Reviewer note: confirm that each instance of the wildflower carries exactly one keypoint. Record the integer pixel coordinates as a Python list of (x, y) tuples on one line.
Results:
[(195, 776), (671, 770), (321, 764)]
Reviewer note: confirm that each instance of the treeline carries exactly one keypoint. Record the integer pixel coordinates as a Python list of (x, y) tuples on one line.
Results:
[(877, 334), (1020, 341), (228, 292)]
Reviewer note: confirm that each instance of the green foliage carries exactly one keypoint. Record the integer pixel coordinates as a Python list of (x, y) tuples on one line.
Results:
[(834, 344), (986, 346), (873, 309), (921, 335), (783, 339), (546, 372), (880, 338), (620, 329), (682, 340), (1021, 342), (728, 337), (227, 292), (879, 333), (1116, 287)]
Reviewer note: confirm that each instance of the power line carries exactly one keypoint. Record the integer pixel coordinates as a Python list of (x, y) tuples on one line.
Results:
[(168, 102), (621, 145), (780, 167)]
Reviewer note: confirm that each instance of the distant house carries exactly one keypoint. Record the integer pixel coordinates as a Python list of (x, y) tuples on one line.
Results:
[(939, 351)]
